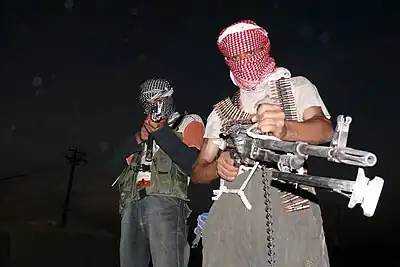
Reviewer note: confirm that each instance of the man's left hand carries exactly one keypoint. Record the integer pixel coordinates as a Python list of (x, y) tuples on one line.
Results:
[(270, 119), (152, 126)]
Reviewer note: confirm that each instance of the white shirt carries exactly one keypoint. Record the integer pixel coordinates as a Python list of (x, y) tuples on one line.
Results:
[(305, 94)]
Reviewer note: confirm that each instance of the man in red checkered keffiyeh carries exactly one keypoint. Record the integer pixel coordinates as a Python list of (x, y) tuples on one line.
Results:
[(256, 226), (246, 48)]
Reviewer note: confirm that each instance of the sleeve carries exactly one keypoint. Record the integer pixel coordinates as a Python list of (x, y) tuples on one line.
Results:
[(213, 126), (306, 96), (193, 131), (119, 157), (178, 150)]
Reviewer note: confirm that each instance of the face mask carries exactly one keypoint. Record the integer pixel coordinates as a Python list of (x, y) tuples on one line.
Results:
[(246, 46), (156, 99)]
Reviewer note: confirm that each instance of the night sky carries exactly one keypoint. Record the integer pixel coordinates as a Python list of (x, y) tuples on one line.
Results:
[(70, 74)]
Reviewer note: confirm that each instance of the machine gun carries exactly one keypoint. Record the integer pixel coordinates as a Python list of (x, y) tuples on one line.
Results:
[(249, 147)]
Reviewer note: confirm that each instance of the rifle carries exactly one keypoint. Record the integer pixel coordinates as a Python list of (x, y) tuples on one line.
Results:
[(248, 147)]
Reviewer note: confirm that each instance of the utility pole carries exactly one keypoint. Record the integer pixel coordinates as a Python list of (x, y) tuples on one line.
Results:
[(76, 159)]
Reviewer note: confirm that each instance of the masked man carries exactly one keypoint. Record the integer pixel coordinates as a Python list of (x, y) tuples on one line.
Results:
[(153, 186), (274, 230)]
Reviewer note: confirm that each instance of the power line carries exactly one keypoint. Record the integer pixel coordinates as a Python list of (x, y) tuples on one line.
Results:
[(34, 172), (15, 176)]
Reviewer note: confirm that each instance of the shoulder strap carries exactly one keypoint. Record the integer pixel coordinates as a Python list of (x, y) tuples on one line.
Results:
[(178, 122), (137, 159)]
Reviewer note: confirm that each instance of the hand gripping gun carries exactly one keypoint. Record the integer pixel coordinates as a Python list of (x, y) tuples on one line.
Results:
[(251, 148)]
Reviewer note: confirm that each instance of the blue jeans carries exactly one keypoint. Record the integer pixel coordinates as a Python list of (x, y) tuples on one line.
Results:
[(155, 227)]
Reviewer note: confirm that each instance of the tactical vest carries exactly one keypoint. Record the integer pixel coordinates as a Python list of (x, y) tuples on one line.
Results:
[(167, 179)]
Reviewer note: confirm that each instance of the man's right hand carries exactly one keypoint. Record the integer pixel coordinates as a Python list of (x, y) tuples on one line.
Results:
[(225, 167)]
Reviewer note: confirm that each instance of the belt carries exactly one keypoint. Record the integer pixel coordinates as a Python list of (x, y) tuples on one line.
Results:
[(142, 193)]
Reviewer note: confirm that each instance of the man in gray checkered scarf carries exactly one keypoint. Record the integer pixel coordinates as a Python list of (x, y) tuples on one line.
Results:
[(153, 187), (156, 99)]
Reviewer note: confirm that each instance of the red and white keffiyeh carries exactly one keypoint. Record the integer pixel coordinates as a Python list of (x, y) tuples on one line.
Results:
[(242, 37)]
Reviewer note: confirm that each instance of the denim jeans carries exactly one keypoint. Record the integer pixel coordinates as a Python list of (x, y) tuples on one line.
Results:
[(155, 227)]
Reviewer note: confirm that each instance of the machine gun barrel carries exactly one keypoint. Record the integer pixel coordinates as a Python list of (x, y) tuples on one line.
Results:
[(337, 154), (315, 181)]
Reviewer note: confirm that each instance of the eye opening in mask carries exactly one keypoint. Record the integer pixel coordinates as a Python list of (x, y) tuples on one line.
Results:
[(153, 101), (245, 55)]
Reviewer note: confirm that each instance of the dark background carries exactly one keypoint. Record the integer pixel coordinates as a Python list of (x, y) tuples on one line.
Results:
[(70, 74)]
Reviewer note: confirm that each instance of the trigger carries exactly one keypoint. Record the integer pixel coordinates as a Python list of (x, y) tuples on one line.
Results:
[(235, 157)]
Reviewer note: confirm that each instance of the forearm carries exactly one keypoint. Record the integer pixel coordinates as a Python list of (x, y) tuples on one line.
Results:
[(130, 146), (180, 154), (204, 172), (316, 130)]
